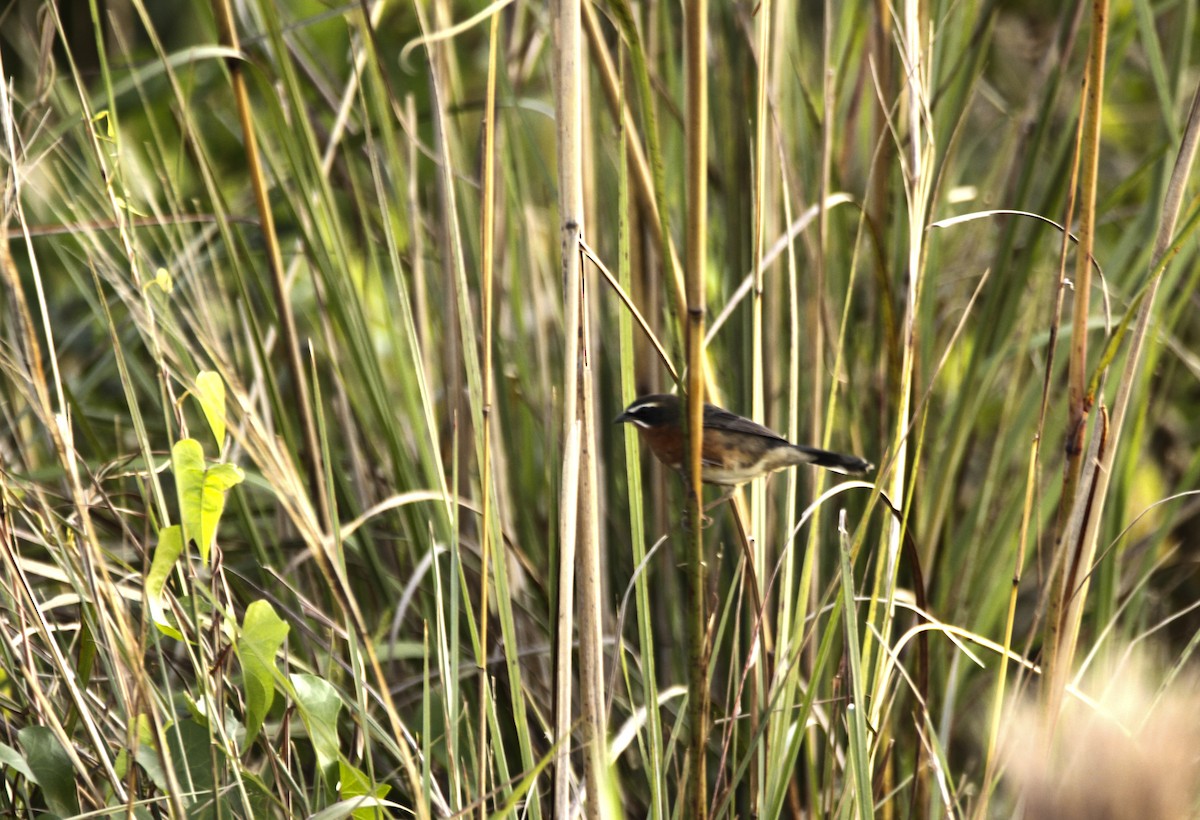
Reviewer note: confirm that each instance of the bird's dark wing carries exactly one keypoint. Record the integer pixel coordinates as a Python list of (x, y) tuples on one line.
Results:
[(717, 418)]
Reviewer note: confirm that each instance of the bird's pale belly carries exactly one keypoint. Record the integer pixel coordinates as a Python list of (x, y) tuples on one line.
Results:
[(732, 459)]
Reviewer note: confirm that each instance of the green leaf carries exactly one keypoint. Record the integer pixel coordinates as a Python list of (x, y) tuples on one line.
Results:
[(51, 768), (353, 807), (210, 392), (193, 756), (201, 492), (13, 759), (199, 766), (145, 737), (319, 704), (355, 786), (170, 545), (263, 632), (147, 754)]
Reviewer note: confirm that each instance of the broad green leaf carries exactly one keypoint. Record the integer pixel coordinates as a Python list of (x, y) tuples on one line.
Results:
[(263, 632), (51, 768), (13, 759), (201, 492), (147, 753), (166, 553), (357, 792), (210, 392), (319, 705), (191, 754)]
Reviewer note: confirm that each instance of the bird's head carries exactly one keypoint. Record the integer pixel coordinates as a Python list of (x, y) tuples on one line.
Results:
[(656, 410)]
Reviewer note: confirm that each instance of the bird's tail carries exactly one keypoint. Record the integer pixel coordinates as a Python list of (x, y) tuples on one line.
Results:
[(837, 462)]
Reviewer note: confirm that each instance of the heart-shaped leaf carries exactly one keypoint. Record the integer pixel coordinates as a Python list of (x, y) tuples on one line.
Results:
[(319, 705), (263, 632), (201, 492)]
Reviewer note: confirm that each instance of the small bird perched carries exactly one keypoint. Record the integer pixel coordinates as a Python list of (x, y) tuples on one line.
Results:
[(735, 449)]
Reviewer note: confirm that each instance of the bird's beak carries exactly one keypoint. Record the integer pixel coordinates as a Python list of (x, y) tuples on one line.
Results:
[(621, 418)]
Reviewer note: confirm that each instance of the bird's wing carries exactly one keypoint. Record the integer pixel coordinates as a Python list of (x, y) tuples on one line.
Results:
[(720, 419)]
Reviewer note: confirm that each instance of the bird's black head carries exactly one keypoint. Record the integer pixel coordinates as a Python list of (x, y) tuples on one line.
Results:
[(654, 410)]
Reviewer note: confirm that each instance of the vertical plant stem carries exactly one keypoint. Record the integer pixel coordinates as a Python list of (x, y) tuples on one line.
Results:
[(655, 770), (917, 188), (568, 114), (565, 621), (578, 526), (1010, 618), (487, 259), (816, 328), (587, 566), (696, 71), (1061, 623), (1098, 471), (917, 54), (757, 555)]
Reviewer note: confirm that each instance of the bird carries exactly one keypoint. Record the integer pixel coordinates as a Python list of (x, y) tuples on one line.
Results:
[(735, 449)]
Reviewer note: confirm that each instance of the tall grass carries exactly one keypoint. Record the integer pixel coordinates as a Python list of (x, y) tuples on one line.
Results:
[(314, 317)]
